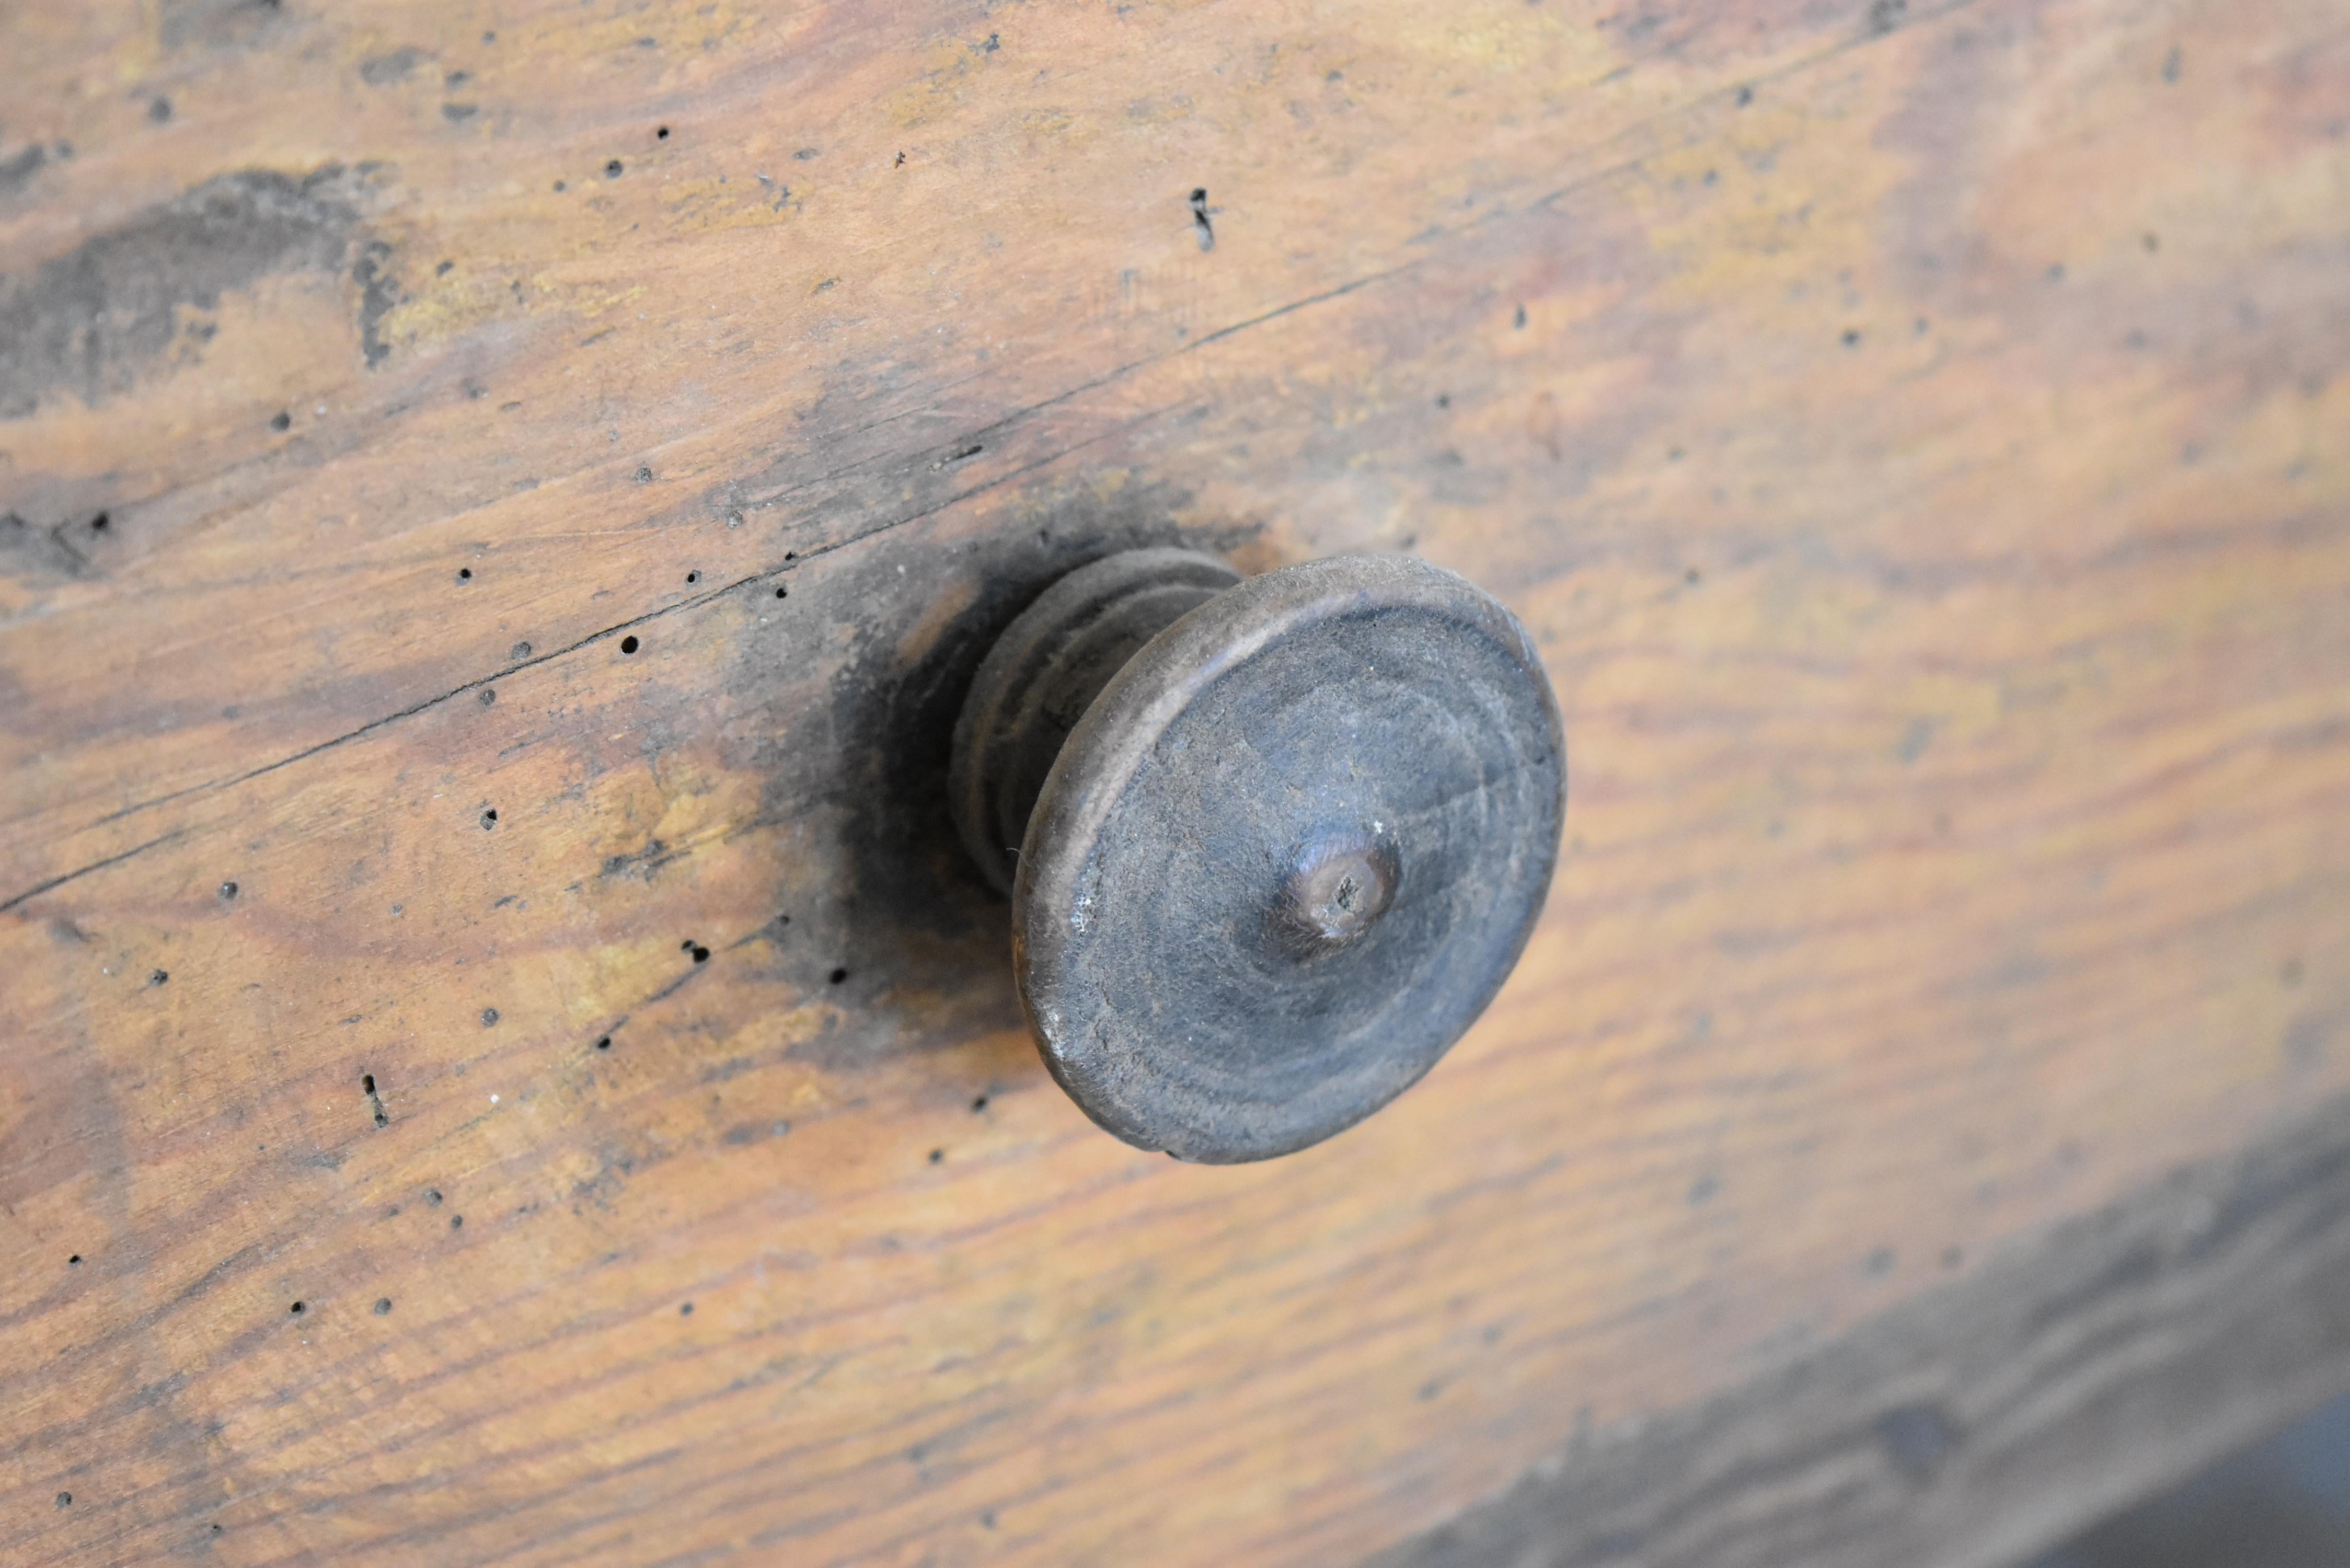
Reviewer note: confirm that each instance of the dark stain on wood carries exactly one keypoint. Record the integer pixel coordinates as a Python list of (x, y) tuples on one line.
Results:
[(394, 66), (219, 24), (915, 917), (91, 322), (16, 170), (38, 554)]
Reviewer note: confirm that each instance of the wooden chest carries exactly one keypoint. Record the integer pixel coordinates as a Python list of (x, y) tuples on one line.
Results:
[(503, 1059)]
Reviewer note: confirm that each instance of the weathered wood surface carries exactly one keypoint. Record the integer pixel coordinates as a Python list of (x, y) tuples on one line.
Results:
[(1917, 434), (1978, 1423)]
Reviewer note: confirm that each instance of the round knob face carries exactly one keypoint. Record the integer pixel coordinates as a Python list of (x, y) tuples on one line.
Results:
[(1287, 856)]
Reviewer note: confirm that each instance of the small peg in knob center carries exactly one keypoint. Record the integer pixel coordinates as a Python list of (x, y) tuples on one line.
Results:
[(1337, 890)]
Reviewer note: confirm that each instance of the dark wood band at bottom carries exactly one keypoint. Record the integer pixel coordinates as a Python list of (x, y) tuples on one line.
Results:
[(2081, 1370)]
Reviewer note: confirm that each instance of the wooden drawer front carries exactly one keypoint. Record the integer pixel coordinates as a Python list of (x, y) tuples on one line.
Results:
[(499, 505)]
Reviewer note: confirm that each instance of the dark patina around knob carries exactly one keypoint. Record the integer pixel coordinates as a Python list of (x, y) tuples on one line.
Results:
[(1272, 843)]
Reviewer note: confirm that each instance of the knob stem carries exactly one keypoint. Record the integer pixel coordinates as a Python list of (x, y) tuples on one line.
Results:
[(1045, 672)]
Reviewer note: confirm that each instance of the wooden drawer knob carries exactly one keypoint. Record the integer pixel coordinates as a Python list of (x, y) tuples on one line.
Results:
[(1272, 844)]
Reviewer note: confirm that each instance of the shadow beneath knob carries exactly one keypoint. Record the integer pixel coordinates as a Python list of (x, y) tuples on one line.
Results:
[(925, 942)]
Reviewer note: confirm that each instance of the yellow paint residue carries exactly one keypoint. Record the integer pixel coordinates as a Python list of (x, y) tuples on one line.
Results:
[(948, 71)]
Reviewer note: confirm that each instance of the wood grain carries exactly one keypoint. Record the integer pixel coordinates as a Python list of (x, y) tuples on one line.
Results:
[(2115, 1355), (1915, 433)]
